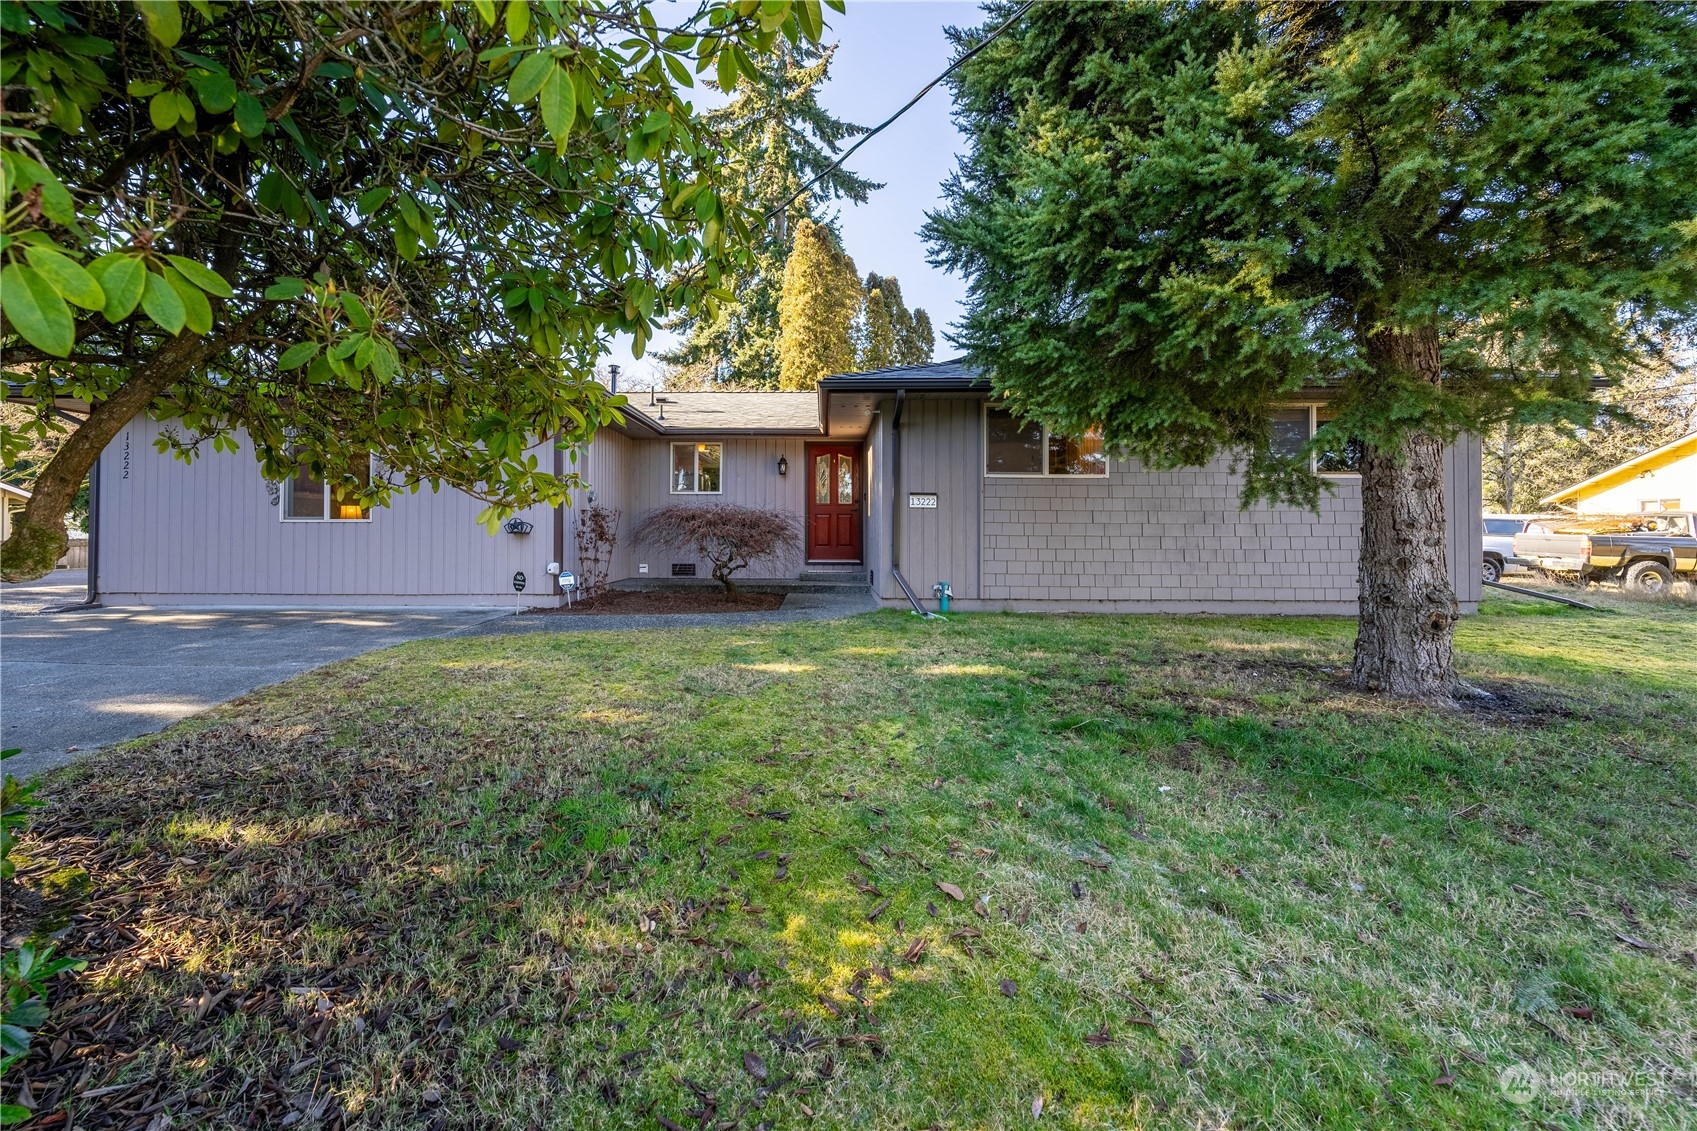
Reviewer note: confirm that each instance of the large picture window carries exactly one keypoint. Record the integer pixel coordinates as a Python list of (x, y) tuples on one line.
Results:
[(696, 469), (1292, 428), (1015, 447), (307, 498)]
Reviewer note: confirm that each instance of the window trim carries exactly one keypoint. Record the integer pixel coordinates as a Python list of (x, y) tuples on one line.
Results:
[(1314, 408), (287, 486), (695, 446), (984, 451)]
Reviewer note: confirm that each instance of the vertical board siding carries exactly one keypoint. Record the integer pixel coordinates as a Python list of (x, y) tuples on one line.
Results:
[(940, 440), (1464, 508), (602, 465), (209, 533), (749, 477), (876, 511)]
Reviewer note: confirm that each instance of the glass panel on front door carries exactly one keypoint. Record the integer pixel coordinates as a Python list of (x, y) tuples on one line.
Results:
[(845, 480), (822, 479)]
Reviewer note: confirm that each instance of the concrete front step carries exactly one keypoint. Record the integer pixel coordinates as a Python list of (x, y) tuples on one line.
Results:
[(833, 583), (836, 575)]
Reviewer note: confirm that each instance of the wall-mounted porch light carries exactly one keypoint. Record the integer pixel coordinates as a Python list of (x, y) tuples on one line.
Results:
[(783, 465)]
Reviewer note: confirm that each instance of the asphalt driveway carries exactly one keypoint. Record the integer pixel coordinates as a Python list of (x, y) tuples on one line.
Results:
[(73, 682)]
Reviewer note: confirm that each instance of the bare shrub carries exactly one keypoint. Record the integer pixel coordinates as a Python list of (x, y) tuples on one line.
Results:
[(597, 534), (727, 535)]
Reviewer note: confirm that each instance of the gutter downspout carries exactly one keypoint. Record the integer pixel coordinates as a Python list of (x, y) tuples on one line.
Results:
[(560, 508), (896, 508)]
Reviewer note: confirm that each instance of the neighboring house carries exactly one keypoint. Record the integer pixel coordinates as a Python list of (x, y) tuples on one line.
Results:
[(900, 473), (1661, 480), (11, 499)]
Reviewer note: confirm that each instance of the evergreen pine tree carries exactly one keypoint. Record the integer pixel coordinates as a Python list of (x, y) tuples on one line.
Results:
[(779, 138), (888, 333), (876, 332), (920, 343), (816, 312), (1173, 216)]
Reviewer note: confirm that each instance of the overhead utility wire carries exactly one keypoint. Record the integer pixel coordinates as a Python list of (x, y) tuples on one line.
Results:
[(874, 131)]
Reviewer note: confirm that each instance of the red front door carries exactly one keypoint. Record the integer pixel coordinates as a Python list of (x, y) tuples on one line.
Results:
[(833, 503)]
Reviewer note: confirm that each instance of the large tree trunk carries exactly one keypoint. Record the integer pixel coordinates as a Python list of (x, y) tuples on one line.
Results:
[(1405, 639), (38, 538)]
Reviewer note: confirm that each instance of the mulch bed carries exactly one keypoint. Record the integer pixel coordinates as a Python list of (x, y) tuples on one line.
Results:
[(626, 602)]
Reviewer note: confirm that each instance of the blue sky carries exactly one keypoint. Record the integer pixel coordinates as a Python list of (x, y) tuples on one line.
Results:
[(887, 50)]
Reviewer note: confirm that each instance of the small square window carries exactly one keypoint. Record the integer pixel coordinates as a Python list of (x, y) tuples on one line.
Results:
[(696, 469), (307, 498)]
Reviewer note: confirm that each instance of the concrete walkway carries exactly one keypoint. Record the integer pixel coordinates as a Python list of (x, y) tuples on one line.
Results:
[(831, 604), (73, 682)]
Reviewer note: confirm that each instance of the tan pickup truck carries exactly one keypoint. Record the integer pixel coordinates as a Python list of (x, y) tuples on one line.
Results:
[(1644, 552)]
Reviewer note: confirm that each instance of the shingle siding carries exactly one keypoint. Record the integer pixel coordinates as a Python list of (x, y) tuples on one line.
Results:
[(1140, 539), (1174, 537)]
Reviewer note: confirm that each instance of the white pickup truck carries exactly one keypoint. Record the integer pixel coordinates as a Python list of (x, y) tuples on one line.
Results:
[(1500, 557)]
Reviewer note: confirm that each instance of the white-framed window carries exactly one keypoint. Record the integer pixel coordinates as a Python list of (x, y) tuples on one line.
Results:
[(1016, 447), (697, 468), (1294, 425), (307, 498)]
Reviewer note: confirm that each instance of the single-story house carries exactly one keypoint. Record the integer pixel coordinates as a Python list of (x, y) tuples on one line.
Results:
[(908, 476), (1664, 479), (12, 498)]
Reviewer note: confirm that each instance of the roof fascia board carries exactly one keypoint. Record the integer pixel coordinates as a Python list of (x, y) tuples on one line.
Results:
[(1620, 473)]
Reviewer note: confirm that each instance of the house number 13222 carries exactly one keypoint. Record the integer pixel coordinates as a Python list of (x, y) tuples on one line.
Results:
[(126, 474)]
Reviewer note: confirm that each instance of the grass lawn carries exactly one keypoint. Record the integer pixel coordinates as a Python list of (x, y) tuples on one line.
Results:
[(1130, 872)]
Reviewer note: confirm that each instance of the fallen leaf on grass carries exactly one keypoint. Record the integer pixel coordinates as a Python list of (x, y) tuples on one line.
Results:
[(1445, 1077), (917, 948), (950, 890), (1100, 1037), (754, 1066), (1635, 943), (1186, 1056), (1037, 1108), (872, 915), (1009, 987), (1582, 1012)]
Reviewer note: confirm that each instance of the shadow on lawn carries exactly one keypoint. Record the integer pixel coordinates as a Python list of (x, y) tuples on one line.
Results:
[(706, 887)]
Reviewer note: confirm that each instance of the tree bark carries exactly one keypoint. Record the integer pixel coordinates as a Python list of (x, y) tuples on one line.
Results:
[(38, 537), (1404, 644)]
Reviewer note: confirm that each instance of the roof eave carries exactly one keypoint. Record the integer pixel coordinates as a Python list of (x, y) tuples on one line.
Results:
[(1653, 460)]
